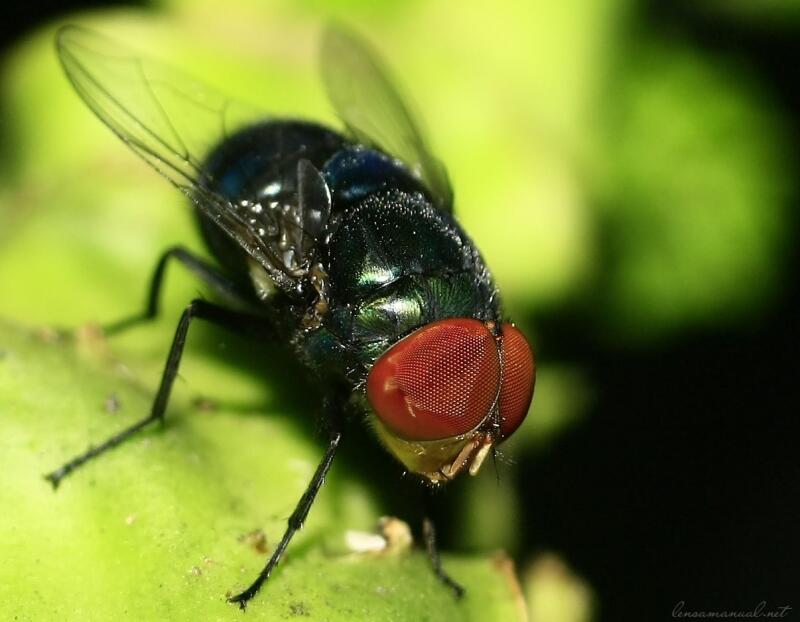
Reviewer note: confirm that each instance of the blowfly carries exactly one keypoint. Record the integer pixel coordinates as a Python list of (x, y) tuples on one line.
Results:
[(341, 244)]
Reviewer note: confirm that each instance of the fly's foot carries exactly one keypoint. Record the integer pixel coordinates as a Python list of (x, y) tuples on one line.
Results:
[(241, 599)]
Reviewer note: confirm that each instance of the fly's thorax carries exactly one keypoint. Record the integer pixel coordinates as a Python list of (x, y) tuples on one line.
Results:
[(395, 263), (391, 234)]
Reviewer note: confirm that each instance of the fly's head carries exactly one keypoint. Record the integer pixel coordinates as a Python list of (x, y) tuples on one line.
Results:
[(444, 395)]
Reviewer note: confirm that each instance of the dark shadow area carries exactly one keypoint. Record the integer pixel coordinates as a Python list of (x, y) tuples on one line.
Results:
[(682, 485), (19, 18)]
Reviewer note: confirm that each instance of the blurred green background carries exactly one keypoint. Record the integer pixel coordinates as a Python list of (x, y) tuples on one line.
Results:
[(629, 171)]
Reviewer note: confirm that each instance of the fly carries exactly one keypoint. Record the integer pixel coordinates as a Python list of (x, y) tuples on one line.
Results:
[(340, 244)]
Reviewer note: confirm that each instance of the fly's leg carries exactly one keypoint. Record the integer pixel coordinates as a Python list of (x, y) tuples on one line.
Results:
[(297, 518), (234, 320), (429, 533), (207, 273)]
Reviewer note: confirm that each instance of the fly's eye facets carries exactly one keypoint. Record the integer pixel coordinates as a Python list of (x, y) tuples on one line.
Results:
[(519, 377), (438, 382)]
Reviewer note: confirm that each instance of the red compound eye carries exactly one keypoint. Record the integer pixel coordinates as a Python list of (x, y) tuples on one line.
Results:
[(438, 382), (519, 376)]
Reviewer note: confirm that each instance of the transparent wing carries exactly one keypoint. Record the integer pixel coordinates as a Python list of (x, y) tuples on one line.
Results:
[(371, 107), (170, 120)]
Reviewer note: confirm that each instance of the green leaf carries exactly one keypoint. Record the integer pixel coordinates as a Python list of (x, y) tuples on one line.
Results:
[(155, 529)]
